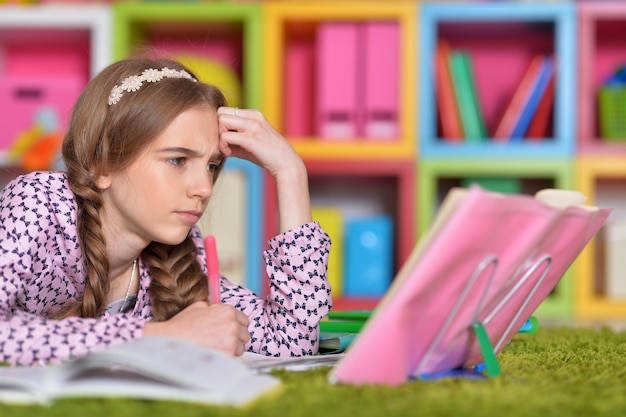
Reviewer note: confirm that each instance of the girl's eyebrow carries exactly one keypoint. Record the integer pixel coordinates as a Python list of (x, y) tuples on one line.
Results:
[(217, 156)]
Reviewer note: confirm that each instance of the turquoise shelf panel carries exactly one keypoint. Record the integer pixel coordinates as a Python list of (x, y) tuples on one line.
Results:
[(255, 231), (555, 27)]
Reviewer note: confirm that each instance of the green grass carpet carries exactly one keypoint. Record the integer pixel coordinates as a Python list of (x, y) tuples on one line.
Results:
[(555, 372)]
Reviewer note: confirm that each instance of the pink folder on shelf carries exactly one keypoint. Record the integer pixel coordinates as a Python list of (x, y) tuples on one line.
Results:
[(478, 246), (337, 80), (381, 56), (299, 90)]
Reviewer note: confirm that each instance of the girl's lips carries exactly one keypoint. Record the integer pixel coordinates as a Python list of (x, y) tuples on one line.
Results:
[(189, 216)]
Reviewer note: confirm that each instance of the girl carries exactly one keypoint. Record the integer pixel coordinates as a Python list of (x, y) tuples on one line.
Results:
[(109, 251)]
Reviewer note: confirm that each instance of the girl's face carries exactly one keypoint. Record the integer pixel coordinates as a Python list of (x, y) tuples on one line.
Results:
[(166, 189)]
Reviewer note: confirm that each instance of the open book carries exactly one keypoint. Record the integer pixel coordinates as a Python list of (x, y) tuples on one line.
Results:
[(486, 264), (157, 368)]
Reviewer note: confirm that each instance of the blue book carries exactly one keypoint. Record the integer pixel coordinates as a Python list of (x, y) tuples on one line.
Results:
[(546, 72), (368, 256)]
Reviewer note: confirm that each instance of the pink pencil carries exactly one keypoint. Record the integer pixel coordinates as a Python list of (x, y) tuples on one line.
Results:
[(214, 274)]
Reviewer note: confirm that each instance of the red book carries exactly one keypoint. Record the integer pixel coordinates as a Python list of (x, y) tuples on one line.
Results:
[(446, 101), (518, 101), (538, 128)]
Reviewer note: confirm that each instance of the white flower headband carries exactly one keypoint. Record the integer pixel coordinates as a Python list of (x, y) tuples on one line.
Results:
[(151, 75)]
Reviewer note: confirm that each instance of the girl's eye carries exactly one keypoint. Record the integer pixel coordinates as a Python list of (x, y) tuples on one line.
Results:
[(212, 167), (177, 161)]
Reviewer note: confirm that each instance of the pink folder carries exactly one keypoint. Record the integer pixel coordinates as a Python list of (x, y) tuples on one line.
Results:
[(381, 56), (337, 80), (423, 325), (299, 89)]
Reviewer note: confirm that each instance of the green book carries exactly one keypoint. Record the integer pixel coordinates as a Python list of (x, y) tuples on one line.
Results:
[(361, 315), (500, 185), (467, 97), (341, 326)]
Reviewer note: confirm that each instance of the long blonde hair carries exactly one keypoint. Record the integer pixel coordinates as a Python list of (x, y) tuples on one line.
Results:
[(103, 138)]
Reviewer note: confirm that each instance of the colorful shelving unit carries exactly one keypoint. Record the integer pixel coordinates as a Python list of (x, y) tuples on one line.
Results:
[(269, 46), (355, 167), (501, 39)]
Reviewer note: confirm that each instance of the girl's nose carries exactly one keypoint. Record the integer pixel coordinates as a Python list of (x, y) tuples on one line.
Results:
[(201, 185)]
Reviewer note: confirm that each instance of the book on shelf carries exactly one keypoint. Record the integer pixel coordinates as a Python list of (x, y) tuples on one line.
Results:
[(545, 74), (513, 110), (332, 220), (538, 128), (449, 117), (339, 329), (335, 342), (466, 95), (508, 185), (152, 368), (472, 281)]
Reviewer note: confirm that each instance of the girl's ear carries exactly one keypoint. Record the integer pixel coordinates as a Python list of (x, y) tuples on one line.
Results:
[(103, 182)]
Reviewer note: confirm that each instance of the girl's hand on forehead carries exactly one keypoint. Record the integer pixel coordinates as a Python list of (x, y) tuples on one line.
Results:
[(248, 135)]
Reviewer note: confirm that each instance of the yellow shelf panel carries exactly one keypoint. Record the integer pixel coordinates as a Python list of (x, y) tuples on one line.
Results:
[(588, 305), (316, 148)]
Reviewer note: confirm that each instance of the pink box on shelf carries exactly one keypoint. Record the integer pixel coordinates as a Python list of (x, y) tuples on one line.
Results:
[(21, 97), (32, 51), (337, 80), (299, 88), (381, 80)]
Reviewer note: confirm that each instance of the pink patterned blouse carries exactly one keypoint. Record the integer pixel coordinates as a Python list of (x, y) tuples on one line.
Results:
[(41, 268)]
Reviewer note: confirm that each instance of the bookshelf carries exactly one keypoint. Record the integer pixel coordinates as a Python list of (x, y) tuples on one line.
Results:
[(290, 25), (500, 38)]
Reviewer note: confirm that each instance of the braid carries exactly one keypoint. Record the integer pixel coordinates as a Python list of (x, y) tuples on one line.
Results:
[(176, 277), (93, 248), (92, 244)]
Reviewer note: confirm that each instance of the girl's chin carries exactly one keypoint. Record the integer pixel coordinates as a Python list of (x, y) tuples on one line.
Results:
[(174, 239)]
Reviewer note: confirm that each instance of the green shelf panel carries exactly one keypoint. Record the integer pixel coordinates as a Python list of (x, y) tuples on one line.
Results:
[(555, 173), (130, 20)]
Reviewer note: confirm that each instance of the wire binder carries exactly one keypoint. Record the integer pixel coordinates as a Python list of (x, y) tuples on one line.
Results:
[(470, 284), (476, 325)]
